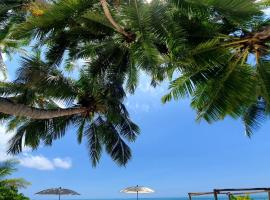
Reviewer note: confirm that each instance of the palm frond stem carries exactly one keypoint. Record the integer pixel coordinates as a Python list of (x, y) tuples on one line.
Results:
[(108, 15)]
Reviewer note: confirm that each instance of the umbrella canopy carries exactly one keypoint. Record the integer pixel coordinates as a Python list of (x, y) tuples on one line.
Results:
[(57, 191), (137, 190)]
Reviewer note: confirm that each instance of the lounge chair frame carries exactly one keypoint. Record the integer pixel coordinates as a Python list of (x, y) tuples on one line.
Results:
[(231, 191)]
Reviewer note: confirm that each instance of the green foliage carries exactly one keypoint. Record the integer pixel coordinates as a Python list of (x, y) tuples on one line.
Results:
[(9, 187), (105, 125), (201, 47), (6, 169), (232, 197), (11, 12), (11, 193), (215, 72)]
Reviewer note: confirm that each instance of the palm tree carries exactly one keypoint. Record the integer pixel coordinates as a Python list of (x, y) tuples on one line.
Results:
[(201, 46), (217, 73), (94, 105), (11, 12), (98, 112), (6, 169)]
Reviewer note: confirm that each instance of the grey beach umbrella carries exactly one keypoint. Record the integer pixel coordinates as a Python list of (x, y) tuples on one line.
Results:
[(137, 190), (57, 191)]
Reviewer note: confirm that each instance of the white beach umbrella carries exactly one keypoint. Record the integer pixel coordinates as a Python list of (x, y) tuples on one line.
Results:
[(137, 190), (58, 191)]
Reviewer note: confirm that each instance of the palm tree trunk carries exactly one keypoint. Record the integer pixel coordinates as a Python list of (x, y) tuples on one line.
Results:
[(2, 64), (21, 110), (108, 15), (1, 57), (264, 34)]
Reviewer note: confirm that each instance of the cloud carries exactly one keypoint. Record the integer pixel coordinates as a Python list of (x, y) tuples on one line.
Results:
[(145, 87), (142, 107), (36, 162), (62, 163), (28, 160), (146, 97), (42, 163), (267, 11), (137, 107), (4, 138)]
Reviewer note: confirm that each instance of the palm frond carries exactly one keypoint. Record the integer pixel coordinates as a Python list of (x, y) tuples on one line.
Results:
[(32, 132), (7, 168), (94, 142), (132, 77), (254, 116), (80, 130), (15, 182), (115, 146), (263, 78), (225, 95)]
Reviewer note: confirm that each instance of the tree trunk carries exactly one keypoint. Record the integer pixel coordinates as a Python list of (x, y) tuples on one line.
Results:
[(108, 15), (264, 34), (2, 65), (21, 110)]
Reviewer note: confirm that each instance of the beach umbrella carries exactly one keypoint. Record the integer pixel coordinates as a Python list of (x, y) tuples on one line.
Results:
[(137, 190), (57, 191)]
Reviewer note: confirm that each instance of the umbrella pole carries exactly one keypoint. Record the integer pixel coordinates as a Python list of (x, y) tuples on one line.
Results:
[(59, 190)]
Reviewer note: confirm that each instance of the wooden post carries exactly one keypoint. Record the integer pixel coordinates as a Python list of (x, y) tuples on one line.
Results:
[(215, 194), (190, 198), (268, 195)]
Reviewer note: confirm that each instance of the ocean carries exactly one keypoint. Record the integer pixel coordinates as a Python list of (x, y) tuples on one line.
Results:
[(254, 197)]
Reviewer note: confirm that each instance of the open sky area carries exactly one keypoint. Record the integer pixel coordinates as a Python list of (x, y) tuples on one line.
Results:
[(173, 155)]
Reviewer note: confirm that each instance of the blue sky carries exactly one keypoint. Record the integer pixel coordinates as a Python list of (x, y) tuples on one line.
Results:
[(173, 155)]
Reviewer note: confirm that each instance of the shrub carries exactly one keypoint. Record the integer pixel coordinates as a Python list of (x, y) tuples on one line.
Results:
[(11, 193)]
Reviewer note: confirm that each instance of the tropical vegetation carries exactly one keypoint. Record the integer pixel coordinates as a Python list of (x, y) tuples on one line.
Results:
[(246, 197), (6, 169), (213, 52), (11, 193), (9, 187)]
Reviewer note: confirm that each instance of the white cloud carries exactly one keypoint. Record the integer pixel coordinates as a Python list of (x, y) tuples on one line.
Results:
[(62, 163), (267, 11), (137, 107), (36, 162), (42, 163), (143, 107), (39, 162), (146, 96), (4, 138), (145, 87), (4, 156)]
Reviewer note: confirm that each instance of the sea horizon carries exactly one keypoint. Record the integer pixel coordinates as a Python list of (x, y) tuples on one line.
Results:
[(255, 197)]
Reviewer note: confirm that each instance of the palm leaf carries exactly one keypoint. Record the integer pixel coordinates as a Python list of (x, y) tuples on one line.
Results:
[(254, 116)]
